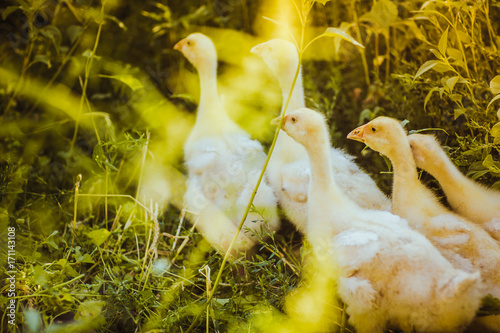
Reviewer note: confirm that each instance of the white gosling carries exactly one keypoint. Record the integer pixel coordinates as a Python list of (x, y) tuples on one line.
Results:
[(389, 275), (465, 244), (223, 162), (467, 197), (288, 170)]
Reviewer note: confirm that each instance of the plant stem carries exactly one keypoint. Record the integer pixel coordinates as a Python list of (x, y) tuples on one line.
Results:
[(271, 149), (27, 56), (65, 60), (363, 53), (88, 66), (388, 54)]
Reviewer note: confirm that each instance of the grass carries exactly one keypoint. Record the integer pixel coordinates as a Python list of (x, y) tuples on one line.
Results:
[(94, 107)]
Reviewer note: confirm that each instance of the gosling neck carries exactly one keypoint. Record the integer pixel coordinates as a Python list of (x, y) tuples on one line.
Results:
[(323, 186), (406, 183), (297, 98), (447, 174), (209, 98), (286, 147)]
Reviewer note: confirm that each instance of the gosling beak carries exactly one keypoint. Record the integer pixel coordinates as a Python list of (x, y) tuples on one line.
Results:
[(180, 44), (276, 121), (256, 49), (357, 134)]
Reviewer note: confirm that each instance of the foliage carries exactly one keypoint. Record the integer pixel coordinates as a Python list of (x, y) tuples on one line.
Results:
[(95, 104)]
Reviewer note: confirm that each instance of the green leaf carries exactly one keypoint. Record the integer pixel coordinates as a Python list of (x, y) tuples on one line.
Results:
[(429, 95), (86, 258), (74, 31), (335, 32), (442, 67), (489, 306), (99, 236), (129, 80), (437, 54), (495, 85), (87, 53), (43, 59), (323, 2), (9, 10), (50, 240), (456, 54), (450, 83), (222, 301), (443, 42), (32, 320), (458, 112), (68, 270), (26, 7), (66, 297), (491, 165), (54, 34), (89, 309), (495, 130), (425, 67), (40, 277), (497, 97), (384, 12), (98, 155)]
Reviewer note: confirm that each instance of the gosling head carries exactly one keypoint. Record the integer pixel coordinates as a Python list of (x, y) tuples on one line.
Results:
[(426, 150), (279, 55), (383, 134), (305, 126), (198, 49)]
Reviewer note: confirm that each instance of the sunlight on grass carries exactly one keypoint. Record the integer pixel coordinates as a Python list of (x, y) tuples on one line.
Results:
[(92, 173)]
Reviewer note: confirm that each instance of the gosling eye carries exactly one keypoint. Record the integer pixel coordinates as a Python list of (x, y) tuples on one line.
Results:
[(293, 119), (374, 129), (189, 43)]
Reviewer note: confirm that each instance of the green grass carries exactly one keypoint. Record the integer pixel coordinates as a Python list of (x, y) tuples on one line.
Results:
[(95, 104)]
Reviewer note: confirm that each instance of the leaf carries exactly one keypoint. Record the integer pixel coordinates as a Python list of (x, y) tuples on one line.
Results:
[(89, 309), (43, 59), (497, 97), (335, 32), (429, 95), (9, 10), (495, 85), (74, 31), (458, 112), (450, 83), (32, 320), (50, 240), (443, 42), (456, 98), (54, 34), (99, 236), (489, 306), (86, 258), (98, 155), (384, 12), (68, 270), (437, 54), (40, 277), (441, 67), (456, 54), (490, 164), (425, 67), (222, 301), (129, 80), (87, 53), (495, 130)]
